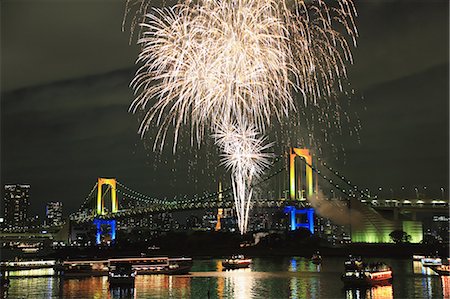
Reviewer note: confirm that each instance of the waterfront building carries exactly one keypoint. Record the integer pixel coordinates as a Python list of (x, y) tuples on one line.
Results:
[(16, 203), (376, 227), (53, 213)]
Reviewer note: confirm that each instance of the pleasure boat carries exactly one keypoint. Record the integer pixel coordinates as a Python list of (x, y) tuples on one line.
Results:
[(236, 262), (359, 274), (158, 265), (442, 270), (431, 261)]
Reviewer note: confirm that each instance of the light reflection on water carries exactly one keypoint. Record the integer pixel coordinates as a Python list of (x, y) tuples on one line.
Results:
[(379, 292), (267, 278)]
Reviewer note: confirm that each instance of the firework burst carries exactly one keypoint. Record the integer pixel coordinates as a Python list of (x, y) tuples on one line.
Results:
[(244, 155), (228, 67), (212, 63)]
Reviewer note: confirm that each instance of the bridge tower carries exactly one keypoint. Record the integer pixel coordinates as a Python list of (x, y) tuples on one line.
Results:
[(219, 210), (293, 191), (111, 183), (296, 193)]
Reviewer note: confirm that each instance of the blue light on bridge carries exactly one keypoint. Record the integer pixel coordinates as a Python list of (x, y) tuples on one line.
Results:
[(110, 223), (309, 224)]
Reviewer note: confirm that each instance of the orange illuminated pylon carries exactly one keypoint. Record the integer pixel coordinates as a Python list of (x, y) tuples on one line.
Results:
[(219, 210), (100, 201), (303, 153)]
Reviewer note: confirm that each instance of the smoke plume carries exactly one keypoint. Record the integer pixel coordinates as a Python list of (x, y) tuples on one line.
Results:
[(335, 210)]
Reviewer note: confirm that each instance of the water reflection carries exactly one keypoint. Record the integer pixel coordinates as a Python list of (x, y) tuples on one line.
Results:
[(268, 278), (445, 286), (303, 285), (96, 287), (239, 282), (302, 264), (418, 268), (156, 285), (121, 292), (378, 292), (293, 265)]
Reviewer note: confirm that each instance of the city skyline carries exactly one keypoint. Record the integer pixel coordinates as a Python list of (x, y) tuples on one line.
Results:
[(65, 101)]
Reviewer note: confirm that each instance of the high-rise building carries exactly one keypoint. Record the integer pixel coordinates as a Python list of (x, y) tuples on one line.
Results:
[(53, 213), (16, 203)]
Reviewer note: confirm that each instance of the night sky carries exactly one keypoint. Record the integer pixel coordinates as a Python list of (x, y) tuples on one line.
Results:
[(65, 70)]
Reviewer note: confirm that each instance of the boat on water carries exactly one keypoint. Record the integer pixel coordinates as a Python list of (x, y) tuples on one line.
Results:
[(27, 265), (316, 258), (353, 263), (431, 261), (442, 270), (236, 262), (158, 265), (142, 265), (417, 257), (85, 268), (359, 274), (121, 274)]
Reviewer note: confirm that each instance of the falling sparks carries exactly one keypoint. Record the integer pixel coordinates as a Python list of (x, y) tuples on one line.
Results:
[(229, 68), (243, 154)]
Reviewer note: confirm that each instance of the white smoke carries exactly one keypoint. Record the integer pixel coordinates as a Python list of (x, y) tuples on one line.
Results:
[(335, 210)]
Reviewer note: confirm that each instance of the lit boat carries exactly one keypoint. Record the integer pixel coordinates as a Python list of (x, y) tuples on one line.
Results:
[(142, 265), (316, 258), (158, 265), (236, 262), (418, 257), (27, 265), (431, 261), (360, 275), (85, 268), (353, 263), (443, 270), (121, 274)]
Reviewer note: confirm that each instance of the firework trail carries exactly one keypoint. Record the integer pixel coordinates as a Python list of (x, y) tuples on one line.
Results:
[(228, 67), (243, 154)]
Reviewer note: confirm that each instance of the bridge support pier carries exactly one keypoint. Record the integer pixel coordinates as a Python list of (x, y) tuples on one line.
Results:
[(112, 225), (293, 212)]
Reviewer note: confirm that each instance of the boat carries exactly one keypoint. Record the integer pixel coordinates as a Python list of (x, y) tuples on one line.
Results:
[(417, 257), (142, 265), (27, 265), (442, 270), (85, 268), (236, 262), (353, 263), (158, 265), (121, 274), (316, 258), (431, 261), (359, 274)]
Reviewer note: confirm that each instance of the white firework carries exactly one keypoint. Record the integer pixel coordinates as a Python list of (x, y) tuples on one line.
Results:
[(244, 155), (213, 63), (229, 66)]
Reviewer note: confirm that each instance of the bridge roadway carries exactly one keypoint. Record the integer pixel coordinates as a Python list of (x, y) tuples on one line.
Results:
[(172, 206), (228, 202)]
